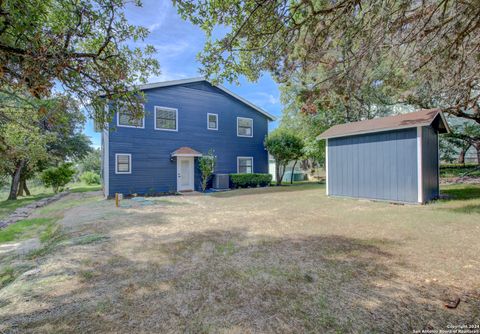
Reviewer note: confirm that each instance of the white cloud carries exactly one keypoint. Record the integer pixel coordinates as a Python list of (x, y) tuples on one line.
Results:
[(167, 75), (264, 99), (166, 50), (154, 26)]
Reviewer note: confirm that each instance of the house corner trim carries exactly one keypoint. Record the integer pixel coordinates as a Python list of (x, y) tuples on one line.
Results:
[(419, 165)]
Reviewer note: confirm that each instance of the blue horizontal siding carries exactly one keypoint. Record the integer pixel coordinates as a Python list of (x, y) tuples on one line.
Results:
[(374, 166), (152, 167)]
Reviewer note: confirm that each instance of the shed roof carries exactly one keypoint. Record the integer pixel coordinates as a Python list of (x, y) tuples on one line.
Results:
[(423, 117)]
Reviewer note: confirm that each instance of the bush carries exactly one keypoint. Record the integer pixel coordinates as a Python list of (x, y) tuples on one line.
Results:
[(58, 177), (457, 165), (90, 178), (206, 164), (250, 180)]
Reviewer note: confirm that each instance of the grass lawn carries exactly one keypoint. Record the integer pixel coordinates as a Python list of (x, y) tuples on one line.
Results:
[(278, 259), (7, 207), (459, 170)]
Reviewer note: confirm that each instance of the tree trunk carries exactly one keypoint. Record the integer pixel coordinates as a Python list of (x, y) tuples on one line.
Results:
[(20, 188), (477, 147), (461, 155), (293, 169), (277, 173), (16, 180), (27, 191)]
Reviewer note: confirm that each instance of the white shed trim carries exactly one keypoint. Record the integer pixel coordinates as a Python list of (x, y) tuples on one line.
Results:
[(419, 165), (106, 163), (326, 166)]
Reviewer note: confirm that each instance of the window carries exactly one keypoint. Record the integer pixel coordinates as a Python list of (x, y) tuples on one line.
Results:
[(212, 121), (166, 119), (244, 165), (244, 127), (125, 119), (123, 163)]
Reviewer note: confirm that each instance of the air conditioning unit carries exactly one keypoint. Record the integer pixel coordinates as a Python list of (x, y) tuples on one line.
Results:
[(221, 181)]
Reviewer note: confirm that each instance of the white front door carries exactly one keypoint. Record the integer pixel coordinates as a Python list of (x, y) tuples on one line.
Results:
[(185, 173)]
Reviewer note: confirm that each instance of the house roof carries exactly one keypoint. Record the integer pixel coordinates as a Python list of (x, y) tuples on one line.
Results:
[(186, 151), (200, 79), (423, 117)]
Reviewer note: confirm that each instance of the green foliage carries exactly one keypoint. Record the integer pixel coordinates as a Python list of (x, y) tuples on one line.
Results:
[(90, 178), (83, 46), (357, 57), (250, 180), (463, 136), (459, 170), (90, 162), (284, 145), (206, 164), (58, 177), (20, 143), (38, 133)]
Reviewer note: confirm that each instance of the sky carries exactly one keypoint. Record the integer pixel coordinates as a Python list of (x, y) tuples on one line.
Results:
[(177, 43)]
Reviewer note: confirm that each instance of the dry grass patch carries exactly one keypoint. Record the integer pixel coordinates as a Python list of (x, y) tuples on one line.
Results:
[(283, 259)]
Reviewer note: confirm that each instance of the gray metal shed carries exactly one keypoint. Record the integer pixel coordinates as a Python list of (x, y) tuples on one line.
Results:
[(392, 158)]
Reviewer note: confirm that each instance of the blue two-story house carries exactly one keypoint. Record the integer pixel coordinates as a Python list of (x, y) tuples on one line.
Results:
[(183, 119)]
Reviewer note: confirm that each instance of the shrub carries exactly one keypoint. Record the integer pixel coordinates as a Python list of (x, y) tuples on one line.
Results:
[(90, 178), (58, 177), (457, 165), (250, 180), (206, 164), (285, 146)]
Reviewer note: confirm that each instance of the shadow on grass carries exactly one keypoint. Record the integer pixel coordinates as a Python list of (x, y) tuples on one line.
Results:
[(221, 281), (301, 186), (468, 209), (461, 192)]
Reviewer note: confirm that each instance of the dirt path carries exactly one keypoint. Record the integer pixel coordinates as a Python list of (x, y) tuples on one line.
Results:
[(274, 260)]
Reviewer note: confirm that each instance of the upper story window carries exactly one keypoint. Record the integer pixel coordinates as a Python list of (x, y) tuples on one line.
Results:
[(123, 163), (244, 127), (125, 119), (244, 165), (166, 119), (212, 121)]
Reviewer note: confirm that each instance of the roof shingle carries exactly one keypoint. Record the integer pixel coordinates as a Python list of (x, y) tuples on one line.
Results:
[(423, 117), (186, 151)]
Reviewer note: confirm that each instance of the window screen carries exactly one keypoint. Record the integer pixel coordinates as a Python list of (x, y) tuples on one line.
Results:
[(245, 165), (126, 119), (213, 121), (245, 127), (165, 118), (124, 163)]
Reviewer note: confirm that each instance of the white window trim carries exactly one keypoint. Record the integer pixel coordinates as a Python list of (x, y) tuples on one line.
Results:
[(132, 126), (238, 164), (129, 160), (208, 121), (239, 135), (155, 119)]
